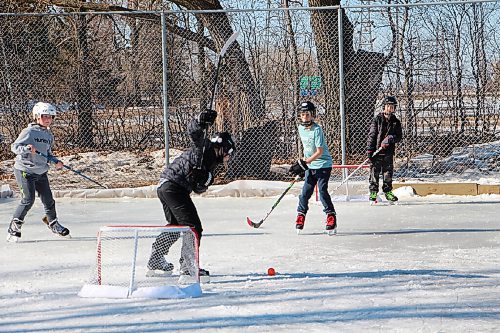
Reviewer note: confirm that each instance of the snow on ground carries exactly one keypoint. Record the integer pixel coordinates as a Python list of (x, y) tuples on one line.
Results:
[(429, 264), (132, 169)]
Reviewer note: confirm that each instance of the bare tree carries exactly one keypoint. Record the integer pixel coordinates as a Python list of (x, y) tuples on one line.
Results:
[(363, 72)]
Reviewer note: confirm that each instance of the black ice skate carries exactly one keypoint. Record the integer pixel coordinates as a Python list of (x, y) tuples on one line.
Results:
[(14, 231), (186, 276), (56, 227), (159, 267), (331, 224)]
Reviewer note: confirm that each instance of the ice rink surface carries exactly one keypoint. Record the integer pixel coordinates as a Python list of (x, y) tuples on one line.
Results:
[(430, 264)]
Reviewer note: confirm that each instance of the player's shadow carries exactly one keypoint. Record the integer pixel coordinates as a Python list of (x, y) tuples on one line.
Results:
[(59, 239), (358, 275), (414, 231), (400, 232), (426, 203)]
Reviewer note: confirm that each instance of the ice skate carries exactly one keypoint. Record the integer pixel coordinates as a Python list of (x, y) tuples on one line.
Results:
[(14, 231), (56, 227), (391, 198), (299, 223), (187, 278), (331, 224), (159, 267), (373, 198)]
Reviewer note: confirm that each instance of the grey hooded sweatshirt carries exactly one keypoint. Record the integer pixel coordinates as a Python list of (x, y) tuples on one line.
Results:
[(42, 139)]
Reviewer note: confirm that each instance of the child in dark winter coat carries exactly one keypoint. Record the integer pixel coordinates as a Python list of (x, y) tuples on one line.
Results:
[(192, 171), (385, 131), (30, 170)]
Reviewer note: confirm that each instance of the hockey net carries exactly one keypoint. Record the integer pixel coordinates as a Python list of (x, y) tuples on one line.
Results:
[(129, 259), (348, 183)]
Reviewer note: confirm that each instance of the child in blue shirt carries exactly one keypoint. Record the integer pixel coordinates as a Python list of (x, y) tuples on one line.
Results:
[(315, 166)]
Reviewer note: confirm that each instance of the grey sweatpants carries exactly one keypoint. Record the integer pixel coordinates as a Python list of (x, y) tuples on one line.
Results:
[(29, 183)]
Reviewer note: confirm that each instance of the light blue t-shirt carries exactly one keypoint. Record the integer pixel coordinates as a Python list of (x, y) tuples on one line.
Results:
[(312, 138)]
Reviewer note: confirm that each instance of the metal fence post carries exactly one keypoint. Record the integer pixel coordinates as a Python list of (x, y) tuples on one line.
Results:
[(341, 91), (165, 82)]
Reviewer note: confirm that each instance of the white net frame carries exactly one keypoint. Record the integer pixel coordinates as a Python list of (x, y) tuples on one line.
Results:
[(128, 261)]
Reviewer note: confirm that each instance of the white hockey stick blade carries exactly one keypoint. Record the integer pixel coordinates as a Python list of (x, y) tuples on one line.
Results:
[(228, 43), (187, 279), (158, 273), (331, 232), (12, 239)]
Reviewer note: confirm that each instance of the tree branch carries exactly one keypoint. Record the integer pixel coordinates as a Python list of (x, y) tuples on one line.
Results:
[(80, 6)]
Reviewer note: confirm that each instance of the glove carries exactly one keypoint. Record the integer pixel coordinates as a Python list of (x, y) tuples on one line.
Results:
[(370, 155), (207, 118), (199, 189), (299, 168), (202, 178), (387, 141)]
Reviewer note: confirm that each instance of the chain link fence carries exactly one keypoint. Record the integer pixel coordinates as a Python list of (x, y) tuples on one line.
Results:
[(107, 73)]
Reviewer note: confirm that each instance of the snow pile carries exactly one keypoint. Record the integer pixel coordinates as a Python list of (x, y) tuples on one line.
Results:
[(404, 192), (472, 162), (5, 191), (105, 291), (117, 169), (250, 188)]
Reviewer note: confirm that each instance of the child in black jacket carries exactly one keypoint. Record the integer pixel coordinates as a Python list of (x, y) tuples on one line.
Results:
[(192, 171), (385, 131)]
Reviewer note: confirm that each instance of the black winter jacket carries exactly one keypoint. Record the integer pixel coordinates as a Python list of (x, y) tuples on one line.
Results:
[(180, 171), (380, 127)]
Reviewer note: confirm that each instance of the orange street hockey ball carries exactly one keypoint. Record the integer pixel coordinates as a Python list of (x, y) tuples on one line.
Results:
[(271, 271)]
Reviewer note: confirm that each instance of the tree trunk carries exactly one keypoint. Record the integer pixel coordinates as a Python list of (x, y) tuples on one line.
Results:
[(84, 100), (293, 51), (363, 75), (236, 71)]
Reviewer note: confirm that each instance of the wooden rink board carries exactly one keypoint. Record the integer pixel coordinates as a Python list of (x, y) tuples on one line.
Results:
[(451, 188)]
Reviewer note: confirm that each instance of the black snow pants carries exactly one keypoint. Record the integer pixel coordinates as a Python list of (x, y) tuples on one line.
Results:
[(381, 164), (179, 210)]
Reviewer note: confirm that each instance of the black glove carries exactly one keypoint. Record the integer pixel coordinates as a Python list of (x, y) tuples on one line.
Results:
[(207, 118), (387, 141), (299, 168), (202, 178), (369, 153), (199, 189)]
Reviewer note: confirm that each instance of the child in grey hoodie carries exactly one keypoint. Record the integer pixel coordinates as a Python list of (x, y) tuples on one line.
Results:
[(30, 170)]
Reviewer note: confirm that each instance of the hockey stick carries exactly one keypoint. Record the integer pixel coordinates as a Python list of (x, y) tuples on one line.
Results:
[(256, 225), (355, 170), (216, 81), (219, 61), (55, 160)]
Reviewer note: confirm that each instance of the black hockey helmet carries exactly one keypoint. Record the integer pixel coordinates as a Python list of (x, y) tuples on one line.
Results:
[(308, 106), (390, 100), (224, 140)]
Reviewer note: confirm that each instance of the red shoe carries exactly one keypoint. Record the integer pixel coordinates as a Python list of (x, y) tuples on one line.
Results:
[(331, 222), (299, 223)]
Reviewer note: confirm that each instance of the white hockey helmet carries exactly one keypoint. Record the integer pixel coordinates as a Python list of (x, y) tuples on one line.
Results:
[(41, 108)]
